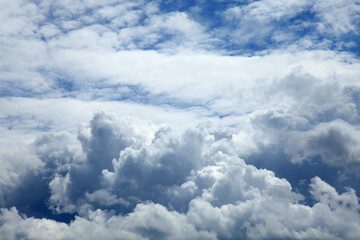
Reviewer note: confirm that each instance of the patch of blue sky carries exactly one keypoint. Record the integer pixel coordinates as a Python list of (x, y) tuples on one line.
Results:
[(175, 5), (205, 9), (65, 84)]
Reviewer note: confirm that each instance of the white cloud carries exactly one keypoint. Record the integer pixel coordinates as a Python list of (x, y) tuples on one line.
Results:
[(315, 118), (150, 159), (86, 55), (337, 143), (254, 22), (104, 198), (156, 175), (147, 221), (271, 217), (192, 183), (228, 199), (16, 159), (198, 78), (339, 17), (284, 21), (49, 30), (268, 10), (31, 116)]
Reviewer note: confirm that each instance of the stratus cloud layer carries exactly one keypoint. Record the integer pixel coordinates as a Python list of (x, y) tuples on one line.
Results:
[(188, 185), (271, 84)]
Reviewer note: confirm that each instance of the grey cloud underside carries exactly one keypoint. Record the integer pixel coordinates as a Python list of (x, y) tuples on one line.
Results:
[(319, 119), (131, 179)]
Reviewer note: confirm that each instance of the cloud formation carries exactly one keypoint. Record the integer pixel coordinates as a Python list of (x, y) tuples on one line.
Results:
[(140, 180), (179, 119)]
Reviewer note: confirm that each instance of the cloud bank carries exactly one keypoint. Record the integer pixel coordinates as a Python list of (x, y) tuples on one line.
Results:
[(133, 179)]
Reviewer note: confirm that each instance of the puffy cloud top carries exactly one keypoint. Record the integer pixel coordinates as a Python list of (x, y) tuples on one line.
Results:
[(140, 180)]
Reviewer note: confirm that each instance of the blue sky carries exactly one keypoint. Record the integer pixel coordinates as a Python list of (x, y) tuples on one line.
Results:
[(179, 119)]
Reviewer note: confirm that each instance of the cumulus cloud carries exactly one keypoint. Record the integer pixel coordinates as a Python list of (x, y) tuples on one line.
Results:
[(139, 161), (310, 119), (265, 217), (336, 142), (16, 159), (149, 221), (213, 87), (140, 180)]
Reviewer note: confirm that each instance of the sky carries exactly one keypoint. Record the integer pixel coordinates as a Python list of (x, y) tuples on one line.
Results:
[(179, 119)]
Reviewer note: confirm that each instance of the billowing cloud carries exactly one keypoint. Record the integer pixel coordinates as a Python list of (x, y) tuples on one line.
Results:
[(336, 142), (140, 180)]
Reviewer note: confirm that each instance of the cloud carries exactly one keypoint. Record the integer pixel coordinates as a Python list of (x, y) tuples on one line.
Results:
[(339, 18), (140, 180), (64, 41), (285, 22), (310, 120), (336, 142), (273, 218), (64, 55), (40, 30), (19, 26), (220, 144), (256, 22), (128, 24), (16, 160), (149, 161), (147, 221)]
